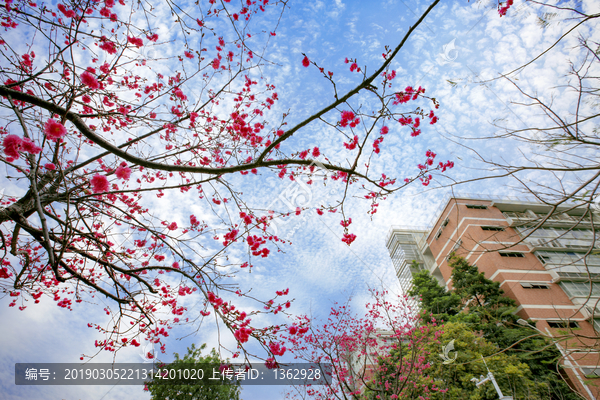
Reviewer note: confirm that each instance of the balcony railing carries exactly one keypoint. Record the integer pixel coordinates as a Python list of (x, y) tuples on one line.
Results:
[(561, 220), (560, 244)]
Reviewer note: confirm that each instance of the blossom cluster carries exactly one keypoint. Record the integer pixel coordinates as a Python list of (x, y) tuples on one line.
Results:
[(348, 118), (14, 144), (254, 242), (349, 238), (353, 65), (408, 94), (123, 171), (101, 188), (502, 9), (54, 130)]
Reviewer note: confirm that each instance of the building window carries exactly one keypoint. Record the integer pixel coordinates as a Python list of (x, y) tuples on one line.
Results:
[(568, 258), (591, 373), (543, 259), (597, 324), (556, 217), (563, 324), (535, 286), (558, 237), (442, 226), (517, 215), (512, 254), (457, 244), (476, 207), (581, 289), (582, 276), (492, 228)]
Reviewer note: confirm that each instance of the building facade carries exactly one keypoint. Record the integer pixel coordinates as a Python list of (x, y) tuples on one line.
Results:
[(547, 259)]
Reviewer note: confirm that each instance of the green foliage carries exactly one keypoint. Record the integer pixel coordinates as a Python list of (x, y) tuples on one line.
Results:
[(454, 378), (487, 310), (472, 285), (512, 374), (200, 391), (435, 298), (477, 305)]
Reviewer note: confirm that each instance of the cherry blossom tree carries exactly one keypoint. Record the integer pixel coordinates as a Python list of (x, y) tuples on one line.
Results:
[(383, 353), (96, 130)]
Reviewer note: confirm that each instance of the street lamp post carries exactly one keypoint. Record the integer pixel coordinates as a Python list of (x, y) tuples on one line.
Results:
[(490, 377)]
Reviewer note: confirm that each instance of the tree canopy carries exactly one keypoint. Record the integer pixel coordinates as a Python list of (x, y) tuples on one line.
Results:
[(452, 377), (102, 117), (478, 306), (226, 390), (383, 352)]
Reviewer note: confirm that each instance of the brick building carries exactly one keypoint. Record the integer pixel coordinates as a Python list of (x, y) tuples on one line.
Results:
[(552, 272)]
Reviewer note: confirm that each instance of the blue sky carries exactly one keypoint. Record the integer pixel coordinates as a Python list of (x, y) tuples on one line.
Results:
[(459, 45)]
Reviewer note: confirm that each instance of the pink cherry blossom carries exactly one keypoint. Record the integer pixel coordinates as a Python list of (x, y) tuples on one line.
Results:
[(108, 46), (90, 80), (12, 145), (30, 147), (135, 41), (54, 130), (67, 13), (123, 172), (99, 183), (349, 238)]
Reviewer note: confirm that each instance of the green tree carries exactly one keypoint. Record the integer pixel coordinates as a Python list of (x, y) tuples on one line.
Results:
[(489, 311), (464, 363), (478, 305), (161, 390), (434, 298)]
